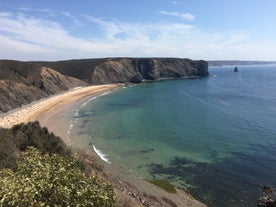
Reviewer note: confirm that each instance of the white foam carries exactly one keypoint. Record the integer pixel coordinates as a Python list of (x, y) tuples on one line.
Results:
[(86, 102), (69, 129), (105, 93), (94, 97), (101, 154)]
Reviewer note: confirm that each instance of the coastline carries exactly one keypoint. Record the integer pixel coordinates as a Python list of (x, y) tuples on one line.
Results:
[(41, 108), (56, 113)]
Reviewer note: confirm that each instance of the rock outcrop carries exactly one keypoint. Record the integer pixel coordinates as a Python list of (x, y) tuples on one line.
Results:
[(268, 199), (22, 83), (134, 70)]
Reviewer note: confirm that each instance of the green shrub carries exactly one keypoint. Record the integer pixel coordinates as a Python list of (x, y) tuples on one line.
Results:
[(51, 180), (8, 151), (32, 134), (19, 137)]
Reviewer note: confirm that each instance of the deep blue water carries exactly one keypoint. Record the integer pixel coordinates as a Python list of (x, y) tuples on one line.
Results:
[(215, 136)]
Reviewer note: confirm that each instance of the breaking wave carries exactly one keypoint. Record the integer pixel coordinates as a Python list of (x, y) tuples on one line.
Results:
[(101, 154)]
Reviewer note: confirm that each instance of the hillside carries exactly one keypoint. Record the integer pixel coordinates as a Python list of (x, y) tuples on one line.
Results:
[(133, 70), (24, 82)]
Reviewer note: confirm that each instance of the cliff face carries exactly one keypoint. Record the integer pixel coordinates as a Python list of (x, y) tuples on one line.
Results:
[(22, 83), (121, 70)]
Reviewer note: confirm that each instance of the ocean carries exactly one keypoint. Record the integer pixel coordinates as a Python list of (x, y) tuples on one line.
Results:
[(215, 136)]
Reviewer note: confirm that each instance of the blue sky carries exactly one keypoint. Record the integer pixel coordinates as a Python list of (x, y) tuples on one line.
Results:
[(196, 29)]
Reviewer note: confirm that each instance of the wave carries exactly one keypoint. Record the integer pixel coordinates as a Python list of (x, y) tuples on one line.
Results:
[(76, 113), (70, 127), (103, 94), (101, 155), (94, 97), (68, 133), (90, 99)]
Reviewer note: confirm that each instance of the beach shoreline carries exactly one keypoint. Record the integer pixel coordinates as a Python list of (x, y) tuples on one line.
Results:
[(57, 112), (40, 109)]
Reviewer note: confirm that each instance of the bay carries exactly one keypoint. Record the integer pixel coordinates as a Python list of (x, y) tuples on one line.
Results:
[(214, 136)]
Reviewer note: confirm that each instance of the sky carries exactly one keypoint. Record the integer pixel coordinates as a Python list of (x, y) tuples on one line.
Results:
[(196, 29)]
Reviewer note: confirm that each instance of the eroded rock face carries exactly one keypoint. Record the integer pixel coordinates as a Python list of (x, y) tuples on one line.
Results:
[(137, 69), (124, 70), (22, 83)]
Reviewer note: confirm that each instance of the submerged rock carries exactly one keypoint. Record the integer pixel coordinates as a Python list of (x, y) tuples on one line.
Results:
[(268, 199)]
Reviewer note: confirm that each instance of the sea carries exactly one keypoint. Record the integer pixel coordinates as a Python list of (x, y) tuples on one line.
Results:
[(213, 136)]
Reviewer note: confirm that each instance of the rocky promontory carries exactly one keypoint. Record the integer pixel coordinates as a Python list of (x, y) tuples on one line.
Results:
[(125, 70)]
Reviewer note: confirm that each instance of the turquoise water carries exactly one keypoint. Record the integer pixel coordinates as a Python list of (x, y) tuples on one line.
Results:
[(215, 136)]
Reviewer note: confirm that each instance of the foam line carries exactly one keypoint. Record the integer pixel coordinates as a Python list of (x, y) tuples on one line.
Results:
[(101, 154)]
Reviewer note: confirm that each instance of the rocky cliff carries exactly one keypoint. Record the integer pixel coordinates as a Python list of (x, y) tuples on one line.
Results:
[(24, 82), (134, 70)]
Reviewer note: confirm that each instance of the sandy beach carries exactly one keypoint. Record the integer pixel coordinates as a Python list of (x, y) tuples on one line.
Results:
[(54, 113), (40, 109)]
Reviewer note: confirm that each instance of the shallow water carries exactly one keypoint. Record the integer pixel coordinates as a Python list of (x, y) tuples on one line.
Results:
[(215, 136)]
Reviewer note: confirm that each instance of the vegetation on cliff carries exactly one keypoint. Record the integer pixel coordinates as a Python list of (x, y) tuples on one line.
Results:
[(37, 169), (51, 180), (19, 137)]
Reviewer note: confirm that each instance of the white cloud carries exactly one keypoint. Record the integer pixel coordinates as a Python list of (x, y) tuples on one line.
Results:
[(184, 16), (142, 31), (174, 2), (5, 14), (34, 9), (53, 13), (28, 38), (75, 20)]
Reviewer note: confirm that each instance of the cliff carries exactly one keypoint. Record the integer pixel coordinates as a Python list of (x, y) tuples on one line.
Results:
[(24, 82), (133, 70)]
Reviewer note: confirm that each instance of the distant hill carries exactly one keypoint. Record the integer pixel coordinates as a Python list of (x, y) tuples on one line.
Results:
[(134, 70), (24, 82), (238, 62)]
